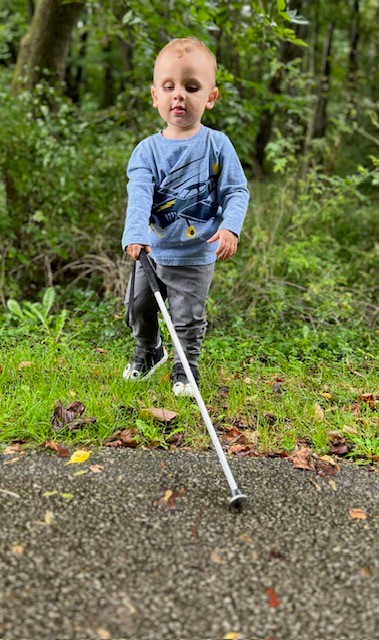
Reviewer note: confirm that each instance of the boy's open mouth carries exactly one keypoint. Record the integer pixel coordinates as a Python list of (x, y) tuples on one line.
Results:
[(178, 110)]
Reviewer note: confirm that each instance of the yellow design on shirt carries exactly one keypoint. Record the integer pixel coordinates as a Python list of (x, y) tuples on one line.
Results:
[(191, 231), (166, 205)]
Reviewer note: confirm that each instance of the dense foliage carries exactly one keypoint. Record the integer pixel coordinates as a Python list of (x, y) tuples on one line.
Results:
[(299, 99)]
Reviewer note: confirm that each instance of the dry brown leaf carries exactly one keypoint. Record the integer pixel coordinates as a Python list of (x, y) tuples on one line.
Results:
[(12, 460), (319, 412), (161, 415), (369, 398), (96, 468), (301, 459), (358, 514), (315, 484), (12, 448), (71, 416), (61, 451)]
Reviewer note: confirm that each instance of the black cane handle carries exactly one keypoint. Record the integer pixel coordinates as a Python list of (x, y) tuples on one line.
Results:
[(149, 271)]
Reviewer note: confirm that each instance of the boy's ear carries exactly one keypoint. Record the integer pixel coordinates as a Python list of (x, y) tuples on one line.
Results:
[(212, 98), (153, 93)]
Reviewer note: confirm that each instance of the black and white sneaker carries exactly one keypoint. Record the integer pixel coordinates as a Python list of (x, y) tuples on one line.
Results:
[(144, 363), (181, 386)]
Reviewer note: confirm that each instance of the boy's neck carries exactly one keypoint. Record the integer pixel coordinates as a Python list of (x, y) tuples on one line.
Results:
[(176, 133)]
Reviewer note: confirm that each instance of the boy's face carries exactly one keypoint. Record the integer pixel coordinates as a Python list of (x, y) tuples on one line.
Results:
[(184, 86)]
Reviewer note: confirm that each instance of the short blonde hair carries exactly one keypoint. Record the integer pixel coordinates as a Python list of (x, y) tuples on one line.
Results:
[(186, 45)]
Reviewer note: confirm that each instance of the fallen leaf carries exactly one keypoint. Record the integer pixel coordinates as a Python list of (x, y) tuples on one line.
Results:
[(13, 448), (333, 485), (22, 365), (369, 398), (326, 395), (70, 416), (100, 350), (339, 449), (245, 538), (48, 494), (315, 484), (18, 549), (169, 498), (123, 438), (61, 451), (319, 412), (49, 517), (161, 415), (96, 468), (301, 459), (273, 600), (232, 635), (358, 514), (78, 457), (330, 460), (103, 634), (9, 493), (215, 557), (167, 495), (12, 460), (67, 496), (81, 472)]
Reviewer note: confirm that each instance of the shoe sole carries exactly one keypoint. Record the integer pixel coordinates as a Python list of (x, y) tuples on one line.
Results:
[(149, 373)]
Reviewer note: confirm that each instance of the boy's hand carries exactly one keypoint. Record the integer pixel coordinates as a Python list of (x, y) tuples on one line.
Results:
[(227, 243), (134, 250)]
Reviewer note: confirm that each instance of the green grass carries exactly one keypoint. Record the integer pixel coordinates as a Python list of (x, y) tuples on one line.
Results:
[(278, 390)]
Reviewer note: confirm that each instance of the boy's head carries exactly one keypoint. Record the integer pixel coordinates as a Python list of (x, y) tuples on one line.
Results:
[(184, 85)]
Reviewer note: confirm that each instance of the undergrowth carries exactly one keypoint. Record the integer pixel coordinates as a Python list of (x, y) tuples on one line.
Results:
[(283, 387)]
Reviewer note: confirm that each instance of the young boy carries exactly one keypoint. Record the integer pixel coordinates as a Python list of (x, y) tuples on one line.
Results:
[(187, 199)]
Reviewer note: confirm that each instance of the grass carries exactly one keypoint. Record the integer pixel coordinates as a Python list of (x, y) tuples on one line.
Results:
[(277, 391)]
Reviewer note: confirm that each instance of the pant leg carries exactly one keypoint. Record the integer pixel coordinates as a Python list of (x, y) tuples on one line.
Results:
[(143, 319), (187, 289)]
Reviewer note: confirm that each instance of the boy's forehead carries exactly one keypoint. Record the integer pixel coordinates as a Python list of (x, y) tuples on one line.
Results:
[(188, 57)]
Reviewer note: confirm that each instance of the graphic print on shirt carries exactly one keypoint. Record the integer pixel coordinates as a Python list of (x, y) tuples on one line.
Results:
[(185, 193)]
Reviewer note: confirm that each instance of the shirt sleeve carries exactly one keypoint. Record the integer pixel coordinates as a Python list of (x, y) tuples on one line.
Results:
[(140, 190), (233, 193)]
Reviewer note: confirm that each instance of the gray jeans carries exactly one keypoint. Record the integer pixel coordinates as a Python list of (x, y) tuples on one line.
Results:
[(186, 289)]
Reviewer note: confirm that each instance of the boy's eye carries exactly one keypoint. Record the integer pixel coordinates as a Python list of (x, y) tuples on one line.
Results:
[(192, 88), (168, 87)]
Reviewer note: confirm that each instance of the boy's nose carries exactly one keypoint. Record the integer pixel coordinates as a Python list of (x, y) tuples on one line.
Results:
[(178, 92)]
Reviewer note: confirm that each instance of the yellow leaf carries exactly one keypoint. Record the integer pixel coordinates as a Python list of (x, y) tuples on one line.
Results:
[(47, 494), (67, 496), (49, 517), (81, 472), (167, 495), (78, 457), (333, 485), (232, 635)]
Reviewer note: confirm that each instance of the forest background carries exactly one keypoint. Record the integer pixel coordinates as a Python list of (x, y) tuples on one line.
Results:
[(299, 88)]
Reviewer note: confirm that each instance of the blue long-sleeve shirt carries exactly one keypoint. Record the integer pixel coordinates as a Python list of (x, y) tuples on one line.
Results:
[(180, 191)]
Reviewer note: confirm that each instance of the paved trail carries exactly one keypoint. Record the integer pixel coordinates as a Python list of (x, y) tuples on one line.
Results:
[(113, 554)]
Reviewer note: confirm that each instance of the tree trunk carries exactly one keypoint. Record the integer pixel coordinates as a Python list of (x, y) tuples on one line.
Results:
[(288, 52), (45, 47)]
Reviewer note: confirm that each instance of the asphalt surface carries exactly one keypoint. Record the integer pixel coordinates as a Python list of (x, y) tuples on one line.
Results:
[(143, 546)]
